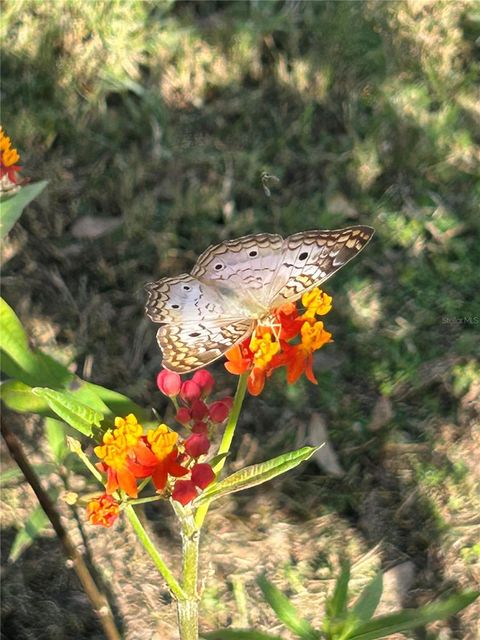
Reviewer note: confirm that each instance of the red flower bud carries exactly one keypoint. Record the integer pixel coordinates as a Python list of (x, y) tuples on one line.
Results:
[(202, 475), (205, 381), (199, 410), (197, 445), (218, 411), (190, 391), (183, 416), (228, 400), (169, 383), (200, 427), (184, 491)]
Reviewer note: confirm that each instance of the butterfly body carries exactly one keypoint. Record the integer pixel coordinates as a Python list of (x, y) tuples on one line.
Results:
[(236, 285)]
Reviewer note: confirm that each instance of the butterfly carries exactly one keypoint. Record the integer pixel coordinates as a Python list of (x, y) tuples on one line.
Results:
[(236, 285)]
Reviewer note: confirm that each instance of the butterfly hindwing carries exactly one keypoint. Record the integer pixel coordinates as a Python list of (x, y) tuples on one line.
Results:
[(186, 348)]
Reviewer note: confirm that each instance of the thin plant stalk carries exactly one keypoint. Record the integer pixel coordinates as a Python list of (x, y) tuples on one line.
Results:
[(152, 550), (187, 608)]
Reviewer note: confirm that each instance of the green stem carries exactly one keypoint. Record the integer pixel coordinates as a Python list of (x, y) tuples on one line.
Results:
[(226, 439), (147, 499), (76, 447), (151, 549), (187, 608)]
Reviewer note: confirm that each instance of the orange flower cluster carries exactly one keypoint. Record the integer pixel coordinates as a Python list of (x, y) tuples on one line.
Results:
[(103, 510), (128, 454), (289, 340), (8, 159)]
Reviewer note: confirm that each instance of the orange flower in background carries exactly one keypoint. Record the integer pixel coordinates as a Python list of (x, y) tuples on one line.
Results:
[(103, 511), (8, 159), (289, 341)]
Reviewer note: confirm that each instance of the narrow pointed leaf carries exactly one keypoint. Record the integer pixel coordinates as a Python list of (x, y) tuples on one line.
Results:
[(74, 413), (11, 209), (119, 404), (337, 604), (255, 474), (368, 600), (56, 436), (384, 626), (285, 610), (31, 529), (238, 634)]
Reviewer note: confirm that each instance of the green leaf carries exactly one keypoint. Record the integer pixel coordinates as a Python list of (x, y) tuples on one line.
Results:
[(19, 397), (337, 605), (285, 611), (11, 209), (34, 368), (30, 530), (19, 361), (255, 474), (55, 431), (368, 600), (383, 626), (238, 634), (119, 404), (74, 413), (218, 458), (84, 393)]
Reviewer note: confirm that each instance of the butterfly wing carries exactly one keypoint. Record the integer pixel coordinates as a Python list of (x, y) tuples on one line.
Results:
[(243, 268), (199, 322), (186, 300), (187, 348), (311, 257)]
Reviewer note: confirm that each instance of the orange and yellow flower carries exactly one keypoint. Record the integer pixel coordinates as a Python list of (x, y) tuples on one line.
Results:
[(117, 452), (8, 158), (103, 510), (288, 341)]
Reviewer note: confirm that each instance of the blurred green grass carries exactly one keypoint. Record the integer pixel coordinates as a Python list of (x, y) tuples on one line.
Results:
[(165, 114)]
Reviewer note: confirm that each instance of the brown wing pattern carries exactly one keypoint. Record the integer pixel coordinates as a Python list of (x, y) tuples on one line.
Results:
[(311, 257), (188, 348)]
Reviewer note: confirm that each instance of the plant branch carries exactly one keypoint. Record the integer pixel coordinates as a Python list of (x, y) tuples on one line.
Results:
[(97, 599)]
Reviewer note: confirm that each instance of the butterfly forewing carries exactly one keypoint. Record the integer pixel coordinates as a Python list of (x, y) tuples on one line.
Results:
[(311, 257), (243, 268)]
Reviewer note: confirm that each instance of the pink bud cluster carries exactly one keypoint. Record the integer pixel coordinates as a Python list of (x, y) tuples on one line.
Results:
[(199, 416)]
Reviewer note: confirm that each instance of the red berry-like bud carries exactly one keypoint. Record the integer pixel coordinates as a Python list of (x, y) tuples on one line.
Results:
[(202, 475), (183, 416), (190, 391), (228, 400), (205, 381), (218, 411), (184, 491), (199, 410), (169, 383), (200, 427), (197, 445)]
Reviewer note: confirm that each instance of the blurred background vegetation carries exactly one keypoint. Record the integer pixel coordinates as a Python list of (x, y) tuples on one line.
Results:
[(153, 122)]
